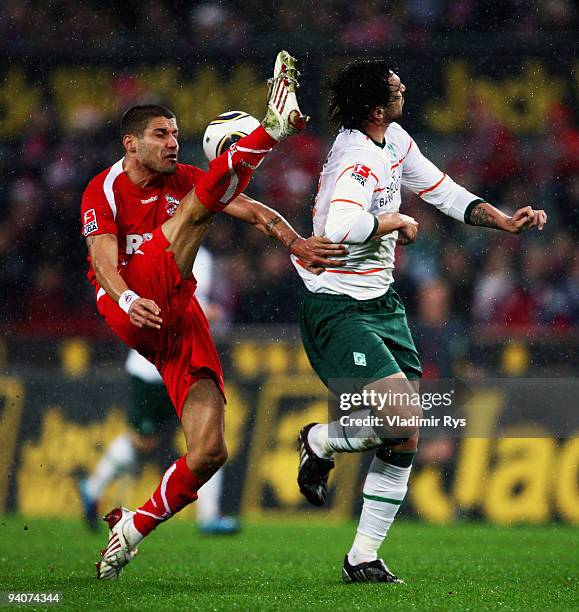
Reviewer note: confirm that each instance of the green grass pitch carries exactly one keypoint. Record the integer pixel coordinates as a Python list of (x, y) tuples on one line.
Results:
[(296, 566)]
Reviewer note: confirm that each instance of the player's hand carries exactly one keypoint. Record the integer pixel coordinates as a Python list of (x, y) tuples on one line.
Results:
[(402, 240), (526, 218), (408, 232), (315, 253), (145, 313)]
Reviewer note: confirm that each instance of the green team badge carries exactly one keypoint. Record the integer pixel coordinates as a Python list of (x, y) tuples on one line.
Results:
[(360, 359), (392, 152)]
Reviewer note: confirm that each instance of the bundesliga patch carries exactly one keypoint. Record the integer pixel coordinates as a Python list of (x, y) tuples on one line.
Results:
[(90, 222), (361, 173)]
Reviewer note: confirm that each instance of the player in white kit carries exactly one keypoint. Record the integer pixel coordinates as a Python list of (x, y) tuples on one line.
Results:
[(353, 323)]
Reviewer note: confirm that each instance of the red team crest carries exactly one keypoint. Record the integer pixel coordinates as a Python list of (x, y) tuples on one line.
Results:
[(172, 204)]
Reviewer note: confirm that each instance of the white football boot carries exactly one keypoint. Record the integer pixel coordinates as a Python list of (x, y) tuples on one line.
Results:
[(283, 118), (118, 552)]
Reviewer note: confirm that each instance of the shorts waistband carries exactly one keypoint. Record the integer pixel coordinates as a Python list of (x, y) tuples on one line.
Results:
[(334, 297)]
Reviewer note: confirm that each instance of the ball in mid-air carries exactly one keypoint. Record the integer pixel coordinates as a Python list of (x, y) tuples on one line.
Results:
[(226, 129)]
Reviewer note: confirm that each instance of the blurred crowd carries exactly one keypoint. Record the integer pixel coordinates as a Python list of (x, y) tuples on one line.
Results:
[(236, 24), (482, 275), (454, 276)]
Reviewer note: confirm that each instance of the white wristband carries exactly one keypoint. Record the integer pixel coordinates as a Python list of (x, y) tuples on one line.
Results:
[(126, 299)]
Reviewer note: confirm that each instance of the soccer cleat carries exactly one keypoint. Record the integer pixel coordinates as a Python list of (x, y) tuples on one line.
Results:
[(224, 525), (89, 506), (313, 470), (283, 118), (118, 552), (374, 571)]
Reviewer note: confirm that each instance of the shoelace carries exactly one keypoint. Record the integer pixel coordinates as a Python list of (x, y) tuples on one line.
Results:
[(272, 81)]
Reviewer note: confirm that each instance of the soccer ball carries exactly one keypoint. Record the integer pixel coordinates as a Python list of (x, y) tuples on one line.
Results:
[(226, 129)]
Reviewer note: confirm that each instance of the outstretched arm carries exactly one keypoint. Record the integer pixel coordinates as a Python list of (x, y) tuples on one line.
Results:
[(484, 214), (313, 252), (438, 189)]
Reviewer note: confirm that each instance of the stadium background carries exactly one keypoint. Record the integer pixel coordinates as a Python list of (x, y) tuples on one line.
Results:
[(492, 98)]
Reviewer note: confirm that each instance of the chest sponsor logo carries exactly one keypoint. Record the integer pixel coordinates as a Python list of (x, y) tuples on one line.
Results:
[(150, 200), (361, 173), (90, 223), (134, 242), (387, 195), (171, 204)]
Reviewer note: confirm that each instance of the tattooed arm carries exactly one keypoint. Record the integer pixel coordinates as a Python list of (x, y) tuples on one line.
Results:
[(484, 215), (313, 252)]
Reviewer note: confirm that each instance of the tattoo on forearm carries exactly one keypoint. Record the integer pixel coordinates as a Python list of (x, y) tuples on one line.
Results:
[(271, 224), (89, 241), (481, 217)]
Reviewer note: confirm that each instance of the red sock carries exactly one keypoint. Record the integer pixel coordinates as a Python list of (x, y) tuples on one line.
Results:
[(177, 489), (230, 173)]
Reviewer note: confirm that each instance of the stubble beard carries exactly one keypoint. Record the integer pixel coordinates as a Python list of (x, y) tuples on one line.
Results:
[(395, 113), (161, 168), (169, 171)]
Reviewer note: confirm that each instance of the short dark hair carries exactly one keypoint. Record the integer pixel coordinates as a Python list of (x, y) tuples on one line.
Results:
[(358, 88), (137, 118)]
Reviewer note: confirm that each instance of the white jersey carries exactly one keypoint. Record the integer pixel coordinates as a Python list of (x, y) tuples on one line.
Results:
[(136, 364), (359, 180)]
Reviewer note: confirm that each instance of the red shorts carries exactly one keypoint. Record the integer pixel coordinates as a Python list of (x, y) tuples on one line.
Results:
[(182, 350)]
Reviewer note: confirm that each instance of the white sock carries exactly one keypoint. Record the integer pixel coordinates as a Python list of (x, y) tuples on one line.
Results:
[(384, 490), (119, 458), (318, 441), (208, 502), (132, 535), (334, 438), (364, 549)]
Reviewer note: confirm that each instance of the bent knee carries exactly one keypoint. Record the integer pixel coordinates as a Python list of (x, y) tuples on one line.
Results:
[(209, 458), (216, 454), (410, 416)]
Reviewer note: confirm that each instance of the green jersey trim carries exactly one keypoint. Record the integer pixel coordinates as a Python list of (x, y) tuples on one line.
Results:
[(374, 230)]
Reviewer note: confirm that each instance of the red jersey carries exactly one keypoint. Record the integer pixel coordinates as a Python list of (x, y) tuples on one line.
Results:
[(112, 204)]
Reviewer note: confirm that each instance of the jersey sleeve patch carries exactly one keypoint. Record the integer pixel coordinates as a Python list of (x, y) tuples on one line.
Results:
[(361, 173), (90, 223)]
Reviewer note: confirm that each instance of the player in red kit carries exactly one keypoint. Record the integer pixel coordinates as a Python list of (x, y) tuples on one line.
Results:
[(144, 219)]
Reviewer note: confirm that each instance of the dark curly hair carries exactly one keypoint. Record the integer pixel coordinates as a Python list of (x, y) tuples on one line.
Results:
[(358, 88)]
